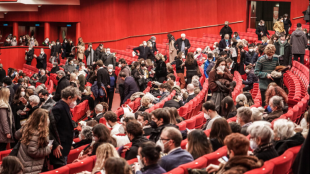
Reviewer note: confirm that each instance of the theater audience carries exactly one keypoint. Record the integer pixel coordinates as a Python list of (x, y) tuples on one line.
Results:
[(257, 114), (144, 119), (85, 137), (161, 68), (191, 93), (117, 165), (276, 104), (180, 68), (274, 90), (101, 134), (219, 130), (170, 141), (228, 108), (104, 152), (130, 86), (191, 67), (299, 43), (284, 50), (210, 59), (226, 30), (244, 115), (235, 127), (251, 78), (174, 115), (111, 119), (210, 114), (225, 43), (241, 100), (63, 82), (164, 92), (46, 100), (11, 165), (198, 144), (261, 30), (146, 103), (284, 135), (261, 140), (144, 51), (175, 102), (99, 113)]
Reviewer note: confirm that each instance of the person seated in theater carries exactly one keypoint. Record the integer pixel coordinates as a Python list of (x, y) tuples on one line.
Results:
[(104, 152), (251, 78), (70, 67), (219, 130), (134, 132), (244, 115), (148, 157), (146, 103), (225, 44), (55, 68), (210, 59), (164, 92), (198, 55), (241, 100), (273, 90), (182, 44), (144, 119), (195, 82), (144, 51), (111, 119), (210, 114), (285, 136), (170, 77), (99, 113), (130, 86), (20, 82), (198, 144), (251, 56), (226, 30), (46, 100), (239, 161), (257, 114), (86, 137), (198, 79), (170, 141), (159, 120), (235, 127), (176, 101), (276, 104), (41, 78), (191, 93), (261, 140), (228, 108)]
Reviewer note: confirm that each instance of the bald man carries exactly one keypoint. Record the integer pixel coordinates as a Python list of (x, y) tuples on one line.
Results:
[(191, 93), (224, 44)]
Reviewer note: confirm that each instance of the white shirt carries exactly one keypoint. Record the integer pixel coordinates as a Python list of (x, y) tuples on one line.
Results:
[(121, 140), (115, 129), (211, 121)]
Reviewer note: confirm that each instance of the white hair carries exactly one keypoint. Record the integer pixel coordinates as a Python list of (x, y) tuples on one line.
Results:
[(241, 99), (257, 113), (198, 49), (190, 87), (183, 35), (261, 129), (35, 99), (284, 129), (99, 108), (195, 82), (277, 101), (110, 66)]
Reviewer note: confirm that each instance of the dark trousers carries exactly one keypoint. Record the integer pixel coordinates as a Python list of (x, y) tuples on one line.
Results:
[(262, 93), (247, 88), (28, 62), (58, 162), (161, 79), (301, 57), (121, 93), (3, 146), (110, 99)]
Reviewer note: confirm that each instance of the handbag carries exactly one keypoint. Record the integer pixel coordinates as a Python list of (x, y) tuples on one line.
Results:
[(14, 151)]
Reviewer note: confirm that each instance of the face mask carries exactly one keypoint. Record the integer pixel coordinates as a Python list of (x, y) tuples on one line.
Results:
[(231, 43), (120, 65), (253, 144), (71, 62), (65, 41), (140, 161), (161, 144), (282, 41), (250, 50), (57, 78), (22, 93), (144, 44), (108, 52), (183, 57), (42, 52), (275, 40), (153, 124), (161, 92), (226, 40), (57, 43), (214, 46), (74, 64), (223, 67), (263, 24), (72, 105), (281, 20), (269, 57), (110, 70), (247, 71), (42, 100), (206, 116)]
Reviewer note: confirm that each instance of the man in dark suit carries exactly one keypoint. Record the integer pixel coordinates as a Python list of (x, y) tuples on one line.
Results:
[(98, 113), (98, 52), (29, 55), (42, 78), (130, 86), (170, 139), (251, 56), (191, 93), (144, 51), (226, 30), (63, 82), (224, 43), (7, 82), (153, 41), (46, 100), (102, 77), (182, 44), (62, 126), (109, 58)]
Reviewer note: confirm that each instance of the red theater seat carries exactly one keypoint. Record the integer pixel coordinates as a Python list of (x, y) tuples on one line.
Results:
[(282, 164), (197, 164), (267, 168), (61, 170), (84, 165)]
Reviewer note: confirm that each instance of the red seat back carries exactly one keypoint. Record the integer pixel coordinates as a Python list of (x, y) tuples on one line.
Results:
[(61, 170), (282, 164), (84, 165)]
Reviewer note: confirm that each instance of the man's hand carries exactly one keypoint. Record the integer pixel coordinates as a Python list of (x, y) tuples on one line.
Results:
[(138, 54), (8, 136), (212, 168), (57, 152), (185, 48), (137, 167), (108, 86), (219, 72), (88, 113), (269, 76)]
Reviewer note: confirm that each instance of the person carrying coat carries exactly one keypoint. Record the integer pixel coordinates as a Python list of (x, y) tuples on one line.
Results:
[(299, 43), (284, 50), (182, 44), (261, 30), (226, 30), (29, 55)]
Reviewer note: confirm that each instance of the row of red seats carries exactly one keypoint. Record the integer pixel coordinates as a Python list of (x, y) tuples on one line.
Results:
[(238, 88), (29, 70), (294, 87)]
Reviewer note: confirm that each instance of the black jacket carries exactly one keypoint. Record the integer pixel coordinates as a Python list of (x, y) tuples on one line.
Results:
[(133, 151), (41, 61), (189, 98), (287, 24), (64, 126), (98, 54), (222, 44), (173, 103), (251, 79), (179, 68), (287, 57), (153, 46), (62, 84), (42, 79), (103, 77), (97, 118), (109, 59), (2, 75), (81, 143), (147, 130), (161, 69), (155, 134), (49, 104), (55, 69), (226, 30), (266, 152), (178, 45), (30, 54), (215, 144), (282, 145), (250, 58), (262, 29), (144, 51)]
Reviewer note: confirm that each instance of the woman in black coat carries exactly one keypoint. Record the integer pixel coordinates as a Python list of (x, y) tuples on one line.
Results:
[(65, 44), (286, 59), (137, 74), (69, 49), (161, 69), (261, 30), (240, 58), (191, 67), (287, 23)]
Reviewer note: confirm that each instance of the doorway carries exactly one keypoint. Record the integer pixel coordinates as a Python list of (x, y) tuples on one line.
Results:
[(269, 11)]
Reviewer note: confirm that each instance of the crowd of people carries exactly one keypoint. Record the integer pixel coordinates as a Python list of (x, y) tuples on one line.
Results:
[(38, 124)]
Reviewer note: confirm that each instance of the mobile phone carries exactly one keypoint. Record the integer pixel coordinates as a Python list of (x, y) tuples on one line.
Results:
[(225, 158)]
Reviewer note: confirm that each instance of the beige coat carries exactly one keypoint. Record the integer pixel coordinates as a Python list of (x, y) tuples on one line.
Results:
[(80, 51), (6, 123), (279, 27), (172, 51), (32, 156)]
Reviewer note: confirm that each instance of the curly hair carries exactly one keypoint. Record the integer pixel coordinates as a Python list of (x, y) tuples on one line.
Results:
[(276, 90), (37, 122), (270, 49)]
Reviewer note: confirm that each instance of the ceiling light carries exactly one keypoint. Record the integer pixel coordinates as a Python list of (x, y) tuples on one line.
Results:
[(5, 12), (39, 5)]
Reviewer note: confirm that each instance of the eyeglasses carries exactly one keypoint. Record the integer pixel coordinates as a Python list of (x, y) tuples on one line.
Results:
[(161, 139)]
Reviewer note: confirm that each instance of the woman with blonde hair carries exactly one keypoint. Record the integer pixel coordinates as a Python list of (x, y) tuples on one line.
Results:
[(104, 151), (34, 139), (146, 103), (73, 80), (6, 119)]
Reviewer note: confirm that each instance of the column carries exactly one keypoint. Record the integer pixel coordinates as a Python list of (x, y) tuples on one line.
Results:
[(15, 30), (78, 32), (46, 30)]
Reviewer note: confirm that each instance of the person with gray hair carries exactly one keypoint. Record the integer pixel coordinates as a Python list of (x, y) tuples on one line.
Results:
[(241, 100), (276, 104), (195, 82), (182, 44), (86, 136), (244, 115), (261, 140), (285, 136), (191, 93), (98, 113), (153, 41), (63, 82), (33, 104), (62, 126), (257, 114)]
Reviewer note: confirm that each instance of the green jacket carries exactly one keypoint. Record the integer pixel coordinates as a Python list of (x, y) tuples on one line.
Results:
[(263, 67)]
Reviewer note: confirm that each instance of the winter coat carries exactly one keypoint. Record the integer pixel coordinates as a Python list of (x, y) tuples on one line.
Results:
[(251, 58), (109, 59), (80, 51), (172, 51), (130, 87), (282, 145), (155, 134), (266, 152), (7, 123), (273, 115), (213, 76), (262, 29), (49, 103), (41, 61), (278, 27), (32, 156), (226, 30), (298, 42), (161, 69), (133, 150), (90, 56), (178, 45), (287, 57), (119, 81), (62, 84), (251, 79)]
